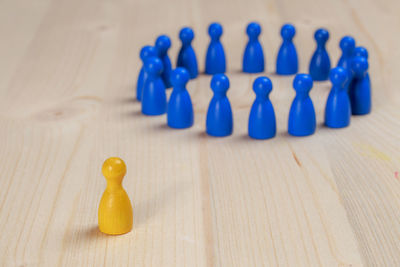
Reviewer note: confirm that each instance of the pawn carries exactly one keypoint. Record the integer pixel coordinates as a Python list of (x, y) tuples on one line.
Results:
[(287, 62), (361, 51), (253, 58), (215, 58), (180, 109), (338, 108), (154, 100), (163, 43), (262, 123), (347, 45), (146, 52), (360, 91), (219, 120), (187, 57), (302, 120), (115, 215), (320, 64)]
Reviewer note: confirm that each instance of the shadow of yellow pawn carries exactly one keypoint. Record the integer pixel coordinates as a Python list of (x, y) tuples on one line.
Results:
[(115, 209)]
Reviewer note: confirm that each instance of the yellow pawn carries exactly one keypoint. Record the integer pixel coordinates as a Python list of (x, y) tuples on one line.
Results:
[(115, 209)]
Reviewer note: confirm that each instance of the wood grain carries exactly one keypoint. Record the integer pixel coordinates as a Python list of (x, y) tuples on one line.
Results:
[(67, 79)]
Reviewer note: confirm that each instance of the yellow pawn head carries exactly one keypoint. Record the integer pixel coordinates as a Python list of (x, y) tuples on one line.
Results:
[(115, 210), (114, 170)]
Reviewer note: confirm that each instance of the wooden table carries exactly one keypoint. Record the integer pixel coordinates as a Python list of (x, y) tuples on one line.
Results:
[(67, 80)]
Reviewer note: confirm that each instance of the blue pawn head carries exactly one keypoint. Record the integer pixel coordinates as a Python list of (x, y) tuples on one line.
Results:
[(338, 76), (215, 31), (361, 51), (153, 66), (180, 77), (146, 52), (219, 84), (253, 30), (288, 31), (347, 44), (321, 36), (163, 43), (359, 65), (262, 86), (302, 83), (186, 35)]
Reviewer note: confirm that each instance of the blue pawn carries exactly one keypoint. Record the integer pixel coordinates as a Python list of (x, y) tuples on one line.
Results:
[(253, 58), (287, 62), (163, 43), (215, 58), (338, 108), (154, 99), (262, 124), (347, 45), (320, 64), (361, 51), (187, 57), (360, 92), (219, 120), (302, 120), (146, 52), (180, 110)]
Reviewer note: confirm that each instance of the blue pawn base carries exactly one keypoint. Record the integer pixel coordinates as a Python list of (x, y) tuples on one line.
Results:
[(153, 113), (336, 125), (301, 134), (261, 137), (218, 134)]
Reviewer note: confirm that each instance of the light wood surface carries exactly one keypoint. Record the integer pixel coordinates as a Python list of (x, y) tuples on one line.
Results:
[(67, 79)]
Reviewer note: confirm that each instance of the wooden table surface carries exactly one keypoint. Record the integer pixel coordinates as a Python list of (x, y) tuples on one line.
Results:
[(68, 71)]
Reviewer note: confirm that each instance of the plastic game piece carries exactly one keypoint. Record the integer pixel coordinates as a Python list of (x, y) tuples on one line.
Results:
[(146, 52), (187, 57), (115, 215), (320, 64), (180, 109), (219, 120), (253, 58), (262, 123), (347, 45), (154, 99), (287, 62), (338, 108), (215, 58), (302, 120), (163, 43), (360, 90), (361, 51)]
